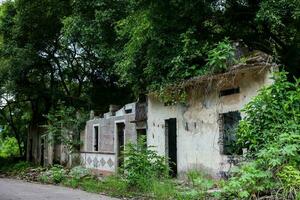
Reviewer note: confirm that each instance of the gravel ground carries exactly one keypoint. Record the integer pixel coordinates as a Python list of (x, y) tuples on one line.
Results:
[(11, 189)]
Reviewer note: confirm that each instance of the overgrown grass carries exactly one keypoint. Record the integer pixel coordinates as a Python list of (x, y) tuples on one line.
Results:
[(194, 187), (144, 177)]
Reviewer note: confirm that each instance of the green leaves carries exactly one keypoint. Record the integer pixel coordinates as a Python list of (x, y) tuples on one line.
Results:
[(142, 166), (9, 147), (64, 127), (271, 132), (220, 57)]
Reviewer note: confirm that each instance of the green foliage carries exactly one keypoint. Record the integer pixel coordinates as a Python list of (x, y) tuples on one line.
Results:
[(75, 176), (248, 180), (69, 182), (142, 165), (91, 185), (199, 180), (78, 172), (55, 174), (199, 183), (290, 178), (64, 127), (220, 57), (21, 166), (9, 147), (13, 166), (273, 114), (164, 189), (111, 185), (116, 186), (270, 131)]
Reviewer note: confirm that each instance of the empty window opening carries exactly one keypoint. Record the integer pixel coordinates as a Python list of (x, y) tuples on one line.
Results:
[(96, 138), (229, 91), (128, 111), (228, 127)]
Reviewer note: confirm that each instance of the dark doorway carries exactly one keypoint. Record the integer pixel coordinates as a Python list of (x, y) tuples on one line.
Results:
[(96, 138), (120, 145), (171, 145), (42, 151), (30, 150)]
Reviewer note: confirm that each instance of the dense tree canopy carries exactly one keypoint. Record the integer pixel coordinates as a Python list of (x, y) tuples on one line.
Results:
[(88, 53)]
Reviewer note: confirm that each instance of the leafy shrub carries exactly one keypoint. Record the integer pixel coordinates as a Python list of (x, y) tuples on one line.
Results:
[(21, 166), (249, 179), (142, 165), (270, 132), (220, 57), (200, 180), (200, 183), (9, 147), (78, 172), (56, 174), (290, 179), (12, 165)]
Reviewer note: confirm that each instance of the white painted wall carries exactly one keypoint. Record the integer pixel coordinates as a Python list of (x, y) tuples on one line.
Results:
[(198, 146)]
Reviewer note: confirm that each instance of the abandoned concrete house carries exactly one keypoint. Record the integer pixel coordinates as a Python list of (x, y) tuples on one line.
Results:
[(105, 138), (198, 134)]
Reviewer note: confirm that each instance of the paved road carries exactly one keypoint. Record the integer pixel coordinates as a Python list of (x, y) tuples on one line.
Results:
[(19, 190)]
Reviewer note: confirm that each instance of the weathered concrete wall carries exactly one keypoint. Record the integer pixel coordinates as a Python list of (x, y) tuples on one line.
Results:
[(198, 131), (107, 144)]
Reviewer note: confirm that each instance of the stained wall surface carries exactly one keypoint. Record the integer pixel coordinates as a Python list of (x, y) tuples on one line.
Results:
[(198, 128), (106, 158)]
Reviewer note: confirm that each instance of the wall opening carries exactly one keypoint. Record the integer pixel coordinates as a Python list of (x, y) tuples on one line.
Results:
[(142, 133), (229, 91), (128, 111), (171, 144), (30, 150), (228, 127), (120, 143), (96, 138), (42, 151)]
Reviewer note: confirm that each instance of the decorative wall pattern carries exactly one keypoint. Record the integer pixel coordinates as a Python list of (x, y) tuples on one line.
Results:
[(100, 161)]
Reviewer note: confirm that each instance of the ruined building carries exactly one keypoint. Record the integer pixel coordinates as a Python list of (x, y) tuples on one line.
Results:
[(200, 133), (196, 134), (105, 138)]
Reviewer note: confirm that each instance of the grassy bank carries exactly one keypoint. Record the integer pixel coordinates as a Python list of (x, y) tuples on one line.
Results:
[(195, 186)]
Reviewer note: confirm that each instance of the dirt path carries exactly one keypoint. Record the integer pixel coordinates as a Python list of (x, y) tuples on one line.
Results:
[(11, 189)]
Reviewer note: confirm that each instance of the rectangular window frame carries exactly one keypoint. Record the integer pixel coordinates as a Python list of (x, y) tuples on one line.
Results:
[(222, 139), (229, 91)]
